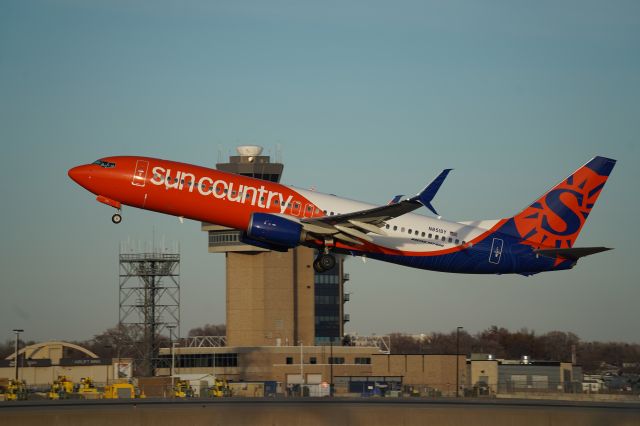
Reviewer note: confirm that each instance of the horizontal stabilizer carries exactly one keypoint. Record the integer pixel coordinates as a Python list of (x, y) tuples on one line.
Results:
[(574, 253)]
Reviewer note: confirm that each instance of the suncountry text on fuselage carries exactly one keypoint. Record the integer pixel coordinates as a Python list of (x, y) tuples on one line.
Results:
[(220, 189)]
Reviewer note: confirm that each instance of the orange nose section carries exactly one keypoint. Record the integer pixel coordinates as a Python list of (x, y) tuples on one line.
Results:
[(80, 175)]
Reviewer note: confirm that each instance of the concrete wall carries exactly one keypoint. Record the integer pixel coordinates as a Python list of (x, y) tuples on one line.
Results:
[(434, 371), (318, 412), (484, 369)]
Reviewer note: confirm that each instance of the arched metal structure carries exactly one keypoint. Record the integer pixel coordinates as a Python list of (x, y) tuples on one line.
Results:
[(32, 351)]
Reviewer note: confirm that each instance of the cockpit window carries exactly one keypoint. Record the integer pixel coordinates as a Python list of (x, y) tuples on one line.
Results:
[(104, 164)]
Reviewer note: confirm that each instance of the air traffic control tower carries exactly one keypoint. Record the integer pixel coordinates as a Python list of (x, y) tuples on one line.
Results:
[(275, 298)]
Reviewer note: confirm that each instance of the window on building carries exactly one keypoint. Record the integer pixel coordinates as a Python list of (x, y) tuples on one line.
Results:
[(289, 360), (336, 360), (363, 360), (204, 360), (313, 360)]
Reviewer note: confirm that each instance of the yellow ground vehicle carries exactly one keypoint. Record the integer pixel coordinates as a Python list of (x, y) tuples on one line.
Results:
[(61, 388), (86, 388), (182, 389), (16, 390), (119, 391), (219, 389)]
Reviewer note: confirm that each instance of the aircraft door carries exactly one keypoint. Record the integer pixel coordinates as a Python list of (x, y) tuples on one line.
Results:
[(496, 251), (140, 173)]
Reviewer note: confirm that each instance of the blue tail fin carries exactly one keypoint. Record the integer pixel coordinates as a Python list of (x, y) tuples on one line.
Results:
[(556, 218)]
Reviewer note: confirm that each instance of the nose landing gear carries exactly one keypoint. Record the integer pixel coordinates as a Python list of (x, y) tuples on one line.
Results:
[(116, 218)]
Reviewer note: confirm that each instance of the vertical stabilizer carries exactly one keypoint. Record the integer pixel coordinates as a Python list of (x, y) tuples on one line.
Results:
[(556, 218)]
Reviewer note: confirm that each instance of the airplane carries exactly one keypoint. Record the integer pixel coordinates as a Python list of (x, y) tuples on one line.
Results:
[(277, 217)]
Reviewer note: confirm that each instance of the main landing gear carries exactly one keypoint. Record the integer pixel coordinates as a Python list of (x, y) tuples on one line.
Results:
[(324, 262), (116, 218)]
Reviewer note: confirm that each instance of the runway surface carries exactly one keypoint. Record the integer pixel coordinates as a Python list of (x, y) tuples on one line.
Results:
[(337, 411)]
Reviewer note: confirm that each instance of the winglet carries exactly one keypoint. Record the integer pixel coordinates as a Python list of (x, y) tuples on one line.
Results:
[(427, 194), (396, 199)]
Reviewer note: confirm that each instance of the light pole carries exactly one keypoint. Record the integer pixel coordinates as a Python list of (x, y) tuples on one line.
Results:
[(331, 367), (457, 359), (172, 348), (17, 331), (301, 368)]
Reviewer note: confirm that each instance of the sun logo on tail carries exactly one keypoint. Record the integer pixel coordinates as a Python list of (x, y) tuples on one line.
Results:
[(555, 220)]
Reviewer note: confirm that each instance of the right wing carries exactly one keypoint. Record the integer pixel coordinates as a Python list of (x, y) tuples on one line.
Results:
[(353, 227)]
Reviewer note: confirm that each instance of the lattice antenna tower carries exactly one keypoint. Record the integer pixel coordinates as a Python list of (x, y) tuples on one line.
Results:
[(149, 295)]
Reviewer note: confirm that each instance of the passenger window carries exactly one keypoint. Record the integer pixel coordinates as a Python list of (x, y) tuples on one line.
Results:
[(395, 227), (457, 241), (450, 239), (423, 234), (387, 226), (410, 231)]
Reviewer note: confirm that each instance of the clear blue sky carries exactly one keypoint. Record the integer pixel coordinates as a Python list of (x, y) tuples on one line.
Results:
[(367, 99)]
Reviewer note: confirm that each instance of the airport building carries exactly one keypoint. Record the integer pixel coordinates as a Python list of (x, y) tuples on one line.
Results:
[(41, 363)]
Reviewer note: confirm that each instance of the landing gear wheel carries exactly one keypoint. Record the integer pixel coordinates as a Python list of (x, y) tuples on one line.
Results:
[(116, 218), (324, 262)]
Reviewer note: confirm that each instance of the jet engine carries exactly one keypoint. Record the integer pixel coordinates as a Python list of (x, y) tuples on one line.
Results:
[(275, 230)]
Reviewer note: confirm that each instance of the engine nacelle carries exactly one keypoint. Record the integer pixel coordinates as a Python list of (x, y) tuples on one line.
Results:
[(275, 230), (262, 244)]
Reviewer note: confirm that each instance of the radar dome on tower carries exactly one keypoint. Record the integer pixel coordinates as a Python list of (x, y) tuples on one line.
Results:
[(249, 150)]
